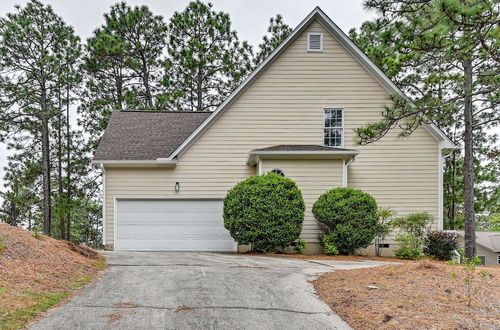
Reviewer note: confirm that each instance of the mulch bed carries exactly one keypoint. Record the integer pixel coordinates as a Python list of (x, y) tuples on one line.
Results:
[(414, 295), (326, 257)]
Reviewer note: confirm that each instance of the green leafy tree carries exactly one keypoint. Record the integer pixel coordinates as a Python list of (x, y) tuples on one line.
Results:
[(206, 60), (35, 47), (277, 32), (444, 55)]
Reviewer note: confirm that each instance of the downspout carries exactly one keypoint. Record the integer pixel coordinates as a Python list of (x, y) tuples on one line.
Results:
[(103, 205), (345, 165), (442, 158)]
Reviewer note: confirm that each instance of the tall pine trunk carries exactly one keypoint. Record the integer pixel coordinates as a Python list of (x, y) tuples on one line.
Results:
[(62, 229), (47, 212), (470, 235), (68, 169), (145, 81)]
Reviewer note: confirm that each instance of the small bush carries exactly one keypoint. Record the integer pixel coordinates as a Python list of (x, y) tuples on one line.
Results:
[(409, 246), (384, 227), (408, 253), (469, 279), (414, 223), (300, 246), (348, 216), (329, 245), (413, 229), (265, 211), (37, 235), (440, 245)]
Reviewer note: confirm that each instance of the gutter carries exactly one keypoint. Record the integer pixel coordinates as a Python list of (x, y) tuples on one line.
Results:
[(159, 162)]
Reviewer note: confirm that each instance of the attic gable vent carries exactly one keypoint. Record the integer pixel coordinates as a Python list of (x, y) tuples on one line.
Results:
[(315, 42)]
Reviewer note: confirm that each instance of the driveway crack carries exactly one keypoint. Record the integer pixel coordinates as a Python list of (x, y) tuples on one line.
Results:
[(188, 308)]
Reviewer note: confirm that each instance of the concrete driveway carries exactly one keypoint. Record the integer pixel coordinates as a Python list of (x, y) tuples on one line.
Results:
[(189, 290)]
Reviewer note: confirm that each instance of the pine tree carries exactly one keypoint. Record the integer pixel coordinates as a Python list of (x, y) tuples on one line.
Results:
[(123, 65), (278, 31), (34, 43), (444, 54), (206, 60)]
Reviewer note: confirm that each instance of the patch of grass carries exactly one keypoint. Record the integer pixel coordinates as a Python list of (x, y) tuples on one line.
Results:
[(3, 292), (2, 244), (82, 280), (100, 264), (391, 271), (37, 235), (41, 302)]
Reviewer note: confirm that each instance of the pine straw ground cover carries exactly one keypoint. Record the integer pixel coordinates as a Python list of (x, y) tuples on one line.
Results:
[(38, 272), (325, 257), (413, 295)]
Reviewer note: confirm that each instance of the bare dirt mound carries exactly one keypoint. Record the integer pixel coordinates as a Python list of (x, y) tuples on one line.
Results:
[(34, 268)]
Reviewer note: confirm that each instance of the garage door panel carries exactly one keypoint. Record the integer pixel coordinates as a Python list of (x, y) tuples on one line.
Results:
[(141, 219), (180, 245), (172, 232), (176, 225)]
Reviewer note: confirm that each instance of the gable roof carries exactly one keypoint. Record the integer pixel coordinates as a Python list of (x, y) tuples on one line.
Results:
[(489, 240), (146, 135), (348, 44)]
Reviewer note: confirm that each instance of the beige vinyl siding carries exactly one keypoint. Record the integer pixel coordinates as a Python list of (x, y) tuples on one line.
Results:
[(490, 258), (313, 177), (284, 105)]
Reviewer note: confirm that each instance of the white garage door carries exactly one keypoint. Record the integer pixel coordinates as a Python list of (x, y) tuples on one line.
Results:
[(175, 225)]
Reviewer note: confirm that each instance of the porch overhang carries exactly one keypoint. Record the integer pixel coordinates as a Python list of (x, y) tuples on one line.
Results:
[(300, 152)]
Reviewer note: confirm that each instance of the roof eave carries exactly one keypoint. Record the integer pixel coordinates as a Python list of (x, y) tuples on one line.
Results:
[(159, 162)]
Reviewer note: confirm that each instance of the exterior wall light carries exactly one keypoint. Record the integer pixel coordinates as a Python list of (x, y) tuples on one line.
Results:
[(177, 186)]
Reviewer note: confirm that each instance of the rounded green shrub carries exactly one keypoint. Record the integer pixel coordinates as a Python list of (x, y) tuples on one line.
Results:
[(348, 217), (264, 211), (440, 244)]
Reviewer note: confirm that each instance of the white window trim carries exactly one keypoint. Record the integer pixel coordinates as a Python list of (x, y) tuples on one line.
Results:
[(320, 42), (498, 259), (341, 127), (275, 170)]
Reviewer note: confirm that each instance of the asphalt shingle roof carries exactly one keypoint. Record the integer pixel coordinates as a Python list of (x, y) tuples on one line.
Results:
[(146, 135)]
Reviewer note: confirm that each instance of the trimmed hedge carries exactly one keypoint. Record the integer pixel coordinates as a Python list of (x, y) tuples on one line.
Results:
[(265, 211), (347, 217)]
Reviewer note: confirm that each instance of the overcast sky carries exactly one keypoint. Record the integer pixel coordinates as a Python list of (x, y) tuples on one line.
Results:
[(249, 18)]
